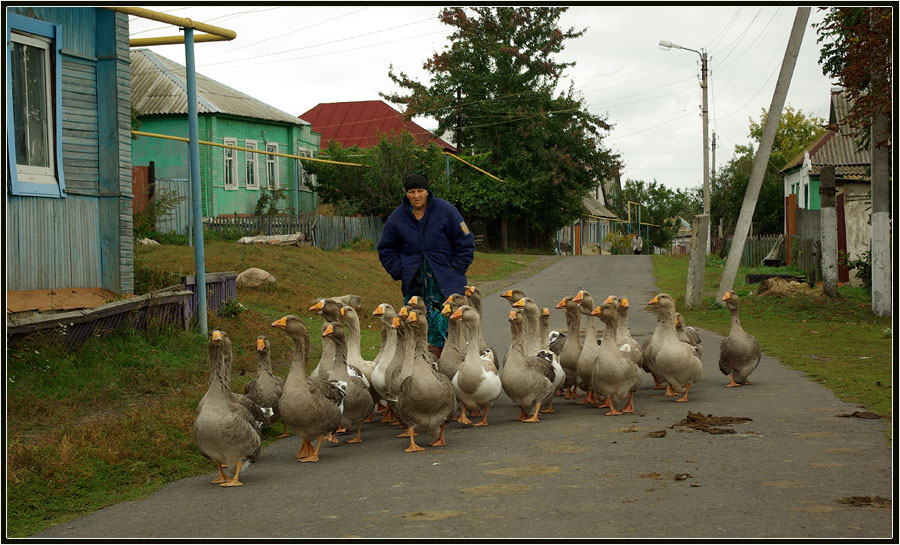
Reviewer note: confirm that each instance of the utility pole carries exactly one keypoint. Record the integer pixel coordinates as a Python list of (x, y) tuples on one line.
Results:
[(762, 155), (828, 231), (703, 84), (459, 120)]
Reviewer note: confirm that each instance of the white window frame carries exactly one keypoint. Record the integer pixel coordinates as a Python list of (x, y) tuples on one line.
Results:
[(31, 180), (229, 164), (251, 170), (272, 166), (307, 180)]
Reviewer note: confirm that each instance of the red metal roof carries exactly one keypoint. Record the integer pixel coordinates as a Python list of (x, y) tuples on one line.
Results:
[(362, 123)]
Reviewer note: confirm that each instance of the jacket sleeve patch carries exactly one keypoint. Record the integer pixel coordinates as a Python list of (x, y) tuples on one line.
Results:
[(464, 227)]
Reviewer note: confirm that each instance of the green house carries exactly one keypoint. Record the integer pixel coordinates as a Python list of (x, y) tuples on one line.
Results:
[(233, 181)]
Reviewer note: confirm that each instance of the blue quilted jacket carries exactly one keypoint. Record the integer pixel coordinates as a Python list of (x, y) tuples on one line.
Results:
[(441, 236)]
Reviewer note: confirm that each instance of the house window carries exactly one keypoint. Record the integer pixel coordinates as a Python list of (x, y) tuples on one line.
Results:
[(307, 180), (229, 174), (34, 97), (806, 196), (250, 165), (272, 167)]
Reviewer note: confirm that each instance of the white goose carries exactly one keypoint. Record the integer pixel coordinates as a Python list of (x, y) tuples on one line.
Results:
[(476, 382)]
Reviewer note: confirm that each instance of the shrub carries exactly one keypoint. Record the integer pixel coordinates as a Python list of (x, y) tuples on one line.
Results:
[(159, 207), (862, 264)]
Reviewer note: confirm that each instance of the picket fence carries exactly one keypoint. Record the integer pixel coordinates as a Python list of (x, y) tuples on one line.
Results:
[(325, 232)]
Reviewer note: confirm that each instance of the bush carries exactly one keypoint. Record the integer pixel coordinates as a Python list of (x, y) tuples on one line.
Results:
[(862, 264), (231, 309), (620, 243), (147, 279), (225, 234), (159, 207)]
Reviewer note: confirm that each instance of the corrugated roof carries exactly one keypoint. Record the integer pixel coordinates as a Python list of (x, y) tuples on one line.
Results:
[(594, 208), (159, 87), (835, 147), (361, 123)]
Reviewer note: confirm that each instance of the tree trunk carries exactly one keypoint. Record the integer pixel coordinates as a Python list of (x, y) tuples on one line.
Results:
[(881, 218)]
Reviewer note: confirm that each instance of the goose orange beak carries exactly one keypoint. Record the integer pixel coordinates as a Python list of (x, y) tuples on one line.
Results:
[(562, 303), (280, 323), (446, 310), (260, 345), (412, 317), (654, 301), (318, 306), (597, 310), (448, 299), (727, 296), (414, 301), (395, 323), (470, 290), (520, 303), (456, 315), (404, 312), (512, 314), (379, 311), (217, 336), (677, 321), (343, 312), (624, 302), (545, 311), (506, 294), (578, 297), (608, 299), (328, 331)]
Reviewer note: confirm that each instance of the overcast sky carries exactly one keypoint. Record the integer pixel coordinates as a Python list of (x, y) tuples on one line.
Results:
[(295, 57)]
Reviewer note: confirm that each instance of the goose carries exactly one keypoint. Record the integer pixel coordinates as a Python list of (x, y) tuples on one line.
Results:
[(527, 380), (386, 350), (455, 348), (552, 340), (476, 381), (417, 304), (312, 407), (739, 353), (330, 310), (393, 376), (242, 400), (265, 389), (350, 321), (688, 334), (625, 341), (223, 430), (589, 348), (535, 346), (473, 294), (674, 360), (512, 295), (615, 374), (358, 403), (648, 352), (571, 350), (425, 400)]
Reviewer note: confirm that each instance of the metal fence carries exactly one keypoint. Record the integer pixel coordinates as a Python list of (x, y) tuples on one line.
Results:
[(325, 232), (757, 248)]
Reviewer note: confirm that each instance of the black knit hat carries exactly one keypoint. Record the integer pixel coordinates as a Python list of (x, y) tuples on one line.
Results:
[(415, 181)]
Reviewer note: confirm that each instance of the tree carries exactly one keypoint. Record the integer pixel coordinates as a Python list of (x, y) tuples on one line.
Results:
[(546, 147), (796, 130), (857, 45), (376, 188), (659, 206)]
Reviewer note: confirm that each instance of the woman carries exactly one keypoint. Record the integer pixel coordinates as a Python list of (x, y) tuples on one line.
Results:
[(428, 247)]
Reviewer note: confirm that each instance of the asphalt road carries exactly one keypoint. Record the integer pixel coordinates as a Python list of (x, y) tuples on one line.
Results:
[(576, 474)]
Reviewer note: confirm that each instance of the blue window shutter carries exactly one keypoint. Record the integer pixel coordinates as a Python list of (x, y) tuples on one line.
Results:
[(54, 33)]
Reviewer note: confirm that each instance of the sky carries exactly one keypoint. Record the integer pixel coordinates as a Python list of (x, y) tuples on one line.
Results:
[(295, 57)]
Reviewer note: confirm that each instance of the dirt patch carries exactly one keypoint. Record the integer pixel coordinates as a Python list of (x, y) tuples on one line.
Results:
[(709, 423), (541, 262), (861, 414), (652, 475), (524, 471), (499, 488), (431, 515), (866, 501), (660, 433), (787, 288), (59, 299)]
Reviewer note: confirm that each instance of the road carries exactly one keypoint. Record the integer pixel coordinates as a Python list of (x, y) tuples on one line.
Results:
[(576, 474)]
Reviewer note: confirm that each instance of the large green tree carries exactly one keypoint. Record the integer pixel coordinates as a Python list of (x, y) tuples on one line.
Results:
[(796, 130), (857, 50), (497, 83), (658, 206)]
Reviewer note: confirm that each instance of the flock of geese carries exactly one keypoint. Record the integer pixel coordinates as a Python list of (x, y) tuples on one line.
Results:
[(420, 392)]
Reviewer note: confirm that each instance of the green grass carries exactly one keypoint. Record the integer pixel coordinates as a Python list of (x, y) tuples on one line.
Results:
[(111, 420), (838, 343)]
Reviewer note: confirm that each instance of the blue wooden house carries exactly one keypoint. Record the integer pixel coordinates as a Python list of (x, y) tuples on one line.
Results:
[(68, 177)]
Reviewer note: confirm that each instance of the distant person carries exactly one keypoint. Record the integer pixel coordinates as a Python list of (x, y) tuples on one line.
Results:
[(637, 244), (428, 247)]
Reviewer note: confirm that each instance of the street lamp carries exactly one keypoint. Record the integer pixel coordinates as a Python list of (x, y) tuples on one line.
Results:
[(667, 45)]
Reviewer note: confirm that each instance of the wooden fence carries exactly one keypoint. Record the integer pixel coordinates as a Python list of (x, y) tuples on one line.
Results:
[(756, 249), (805, 253), (326, 232)]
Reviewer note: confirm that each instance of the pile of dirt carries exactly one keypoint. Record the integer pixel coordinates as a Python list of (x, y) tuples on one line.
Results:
[(866, 501), (786, 288), (709, 423)]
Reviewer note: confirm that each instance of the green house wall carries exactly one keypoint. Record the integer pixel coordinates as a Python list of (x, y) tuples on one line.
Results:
[(171, 159)]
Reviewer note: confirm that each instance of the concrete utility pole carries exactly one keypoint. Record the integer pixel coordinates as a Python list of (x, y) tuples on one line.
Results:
[(693, 293), (881, 251), (762, 155), (828, 231)]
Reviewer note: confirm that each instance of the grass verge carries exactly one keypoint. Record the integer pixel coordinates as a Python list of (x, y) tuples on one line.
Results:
[(801, 331), (111, 420)]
